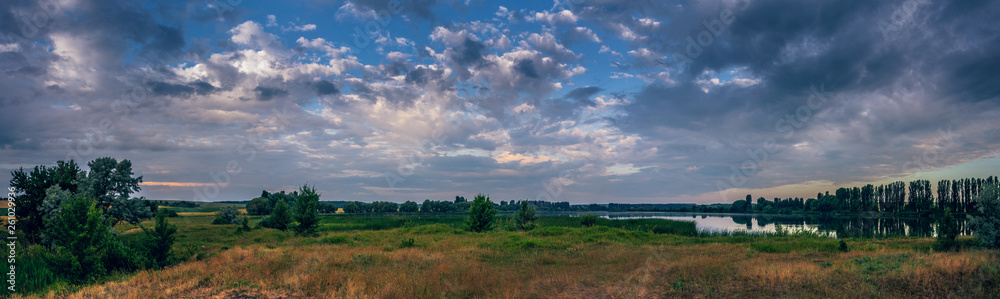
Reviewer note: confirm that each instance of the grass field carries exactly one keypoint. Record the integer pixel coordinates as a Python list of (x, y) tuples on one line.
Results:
[(374, 257)]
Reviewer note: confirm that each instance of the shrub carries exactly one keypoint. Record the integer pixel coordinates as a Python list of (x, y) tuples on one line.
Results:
[(986, 224), (407, 243), (161, 240), (280, 218), (481, 214), (947, 231), (307, 213), (526, 216), (843, 246), (169, 212), (244, 225), (79, 240), (228, 215), (588, 220)]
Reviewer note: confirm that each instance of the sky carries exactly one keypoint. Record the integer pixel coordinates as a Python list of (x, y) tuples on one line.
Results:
[(585, 101)]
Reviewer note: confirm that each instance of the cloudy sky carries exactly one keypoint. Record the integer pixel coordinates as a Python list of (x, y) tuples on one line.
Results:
[(586, 101)]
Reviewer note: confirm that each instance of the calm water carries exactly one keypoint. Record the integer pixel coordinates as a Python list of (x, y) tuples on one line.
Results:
[(849, 227)]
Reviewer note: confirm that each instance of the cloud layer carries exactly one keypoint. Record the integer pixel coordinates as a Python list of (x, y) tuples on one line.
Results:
[(580, 101)]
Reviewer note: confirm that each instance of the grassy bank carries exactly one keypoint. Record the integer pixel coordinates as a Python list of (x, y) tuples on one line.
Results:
[(358, 257)]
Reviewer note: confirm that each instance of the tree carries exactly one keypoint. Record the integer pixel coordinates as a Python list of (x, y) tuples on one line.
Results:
[(740, 206), (228, 215), (111, 183), (280, 217), (31, 187), (79, 239), (326, 207), (986, 224), (481, 214), (427, 207), (307, 213), (947, 231), (352, 207), (526, 217), (259, 206), (409, 207), (161, 240)]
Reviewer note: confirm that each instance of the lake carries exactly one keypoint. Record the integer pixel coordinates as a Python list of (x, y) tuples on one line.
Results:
[(842, 227)]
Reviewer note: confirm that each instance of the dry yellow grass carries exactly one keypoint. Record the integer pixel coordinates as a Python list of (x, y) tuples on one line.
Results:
[(462, 266)]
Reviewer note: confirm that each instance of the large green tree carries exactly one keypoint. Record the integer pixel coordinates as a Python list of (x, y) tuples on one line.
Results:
[(30, 191)]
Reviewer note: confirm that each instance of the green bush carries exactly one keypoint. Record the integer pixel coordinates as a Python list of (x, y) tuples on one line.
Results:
[(169, 212), (228, 215), (588, 220), (526, 217), (947, 231), (338, 239), (407, 243), (161, 240), (481, 214), (307, 213), (80, 240), (986, 224), (280, 218)]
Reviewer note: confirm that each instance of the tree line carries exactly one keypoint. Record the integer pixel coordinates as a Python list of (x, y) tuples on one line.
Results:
[(958, 196)]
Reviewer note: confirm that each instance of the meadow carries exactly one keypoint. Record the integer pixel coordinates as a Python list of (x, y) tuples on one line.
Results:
[(434, 257)]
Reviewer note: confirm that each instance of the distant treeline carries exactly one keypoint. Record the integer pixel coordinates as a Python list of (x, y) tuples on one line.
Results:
[(955, 195), (264, 204), (177, 204), (461, 205)]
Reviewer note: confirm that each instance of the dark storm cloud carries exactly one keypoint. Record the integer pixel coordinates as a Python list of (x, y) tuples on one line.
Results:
[(423, 75), (527, 68), (324, 87), (267, 93), (583, 94)]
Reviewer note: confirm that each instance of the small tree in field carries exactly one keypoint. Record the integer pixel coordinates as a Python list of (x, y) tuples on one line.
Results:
[(986, 224), (526, 217), (307, 213), (280, 217), (161, 239), (79, 240), (481, 214)]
